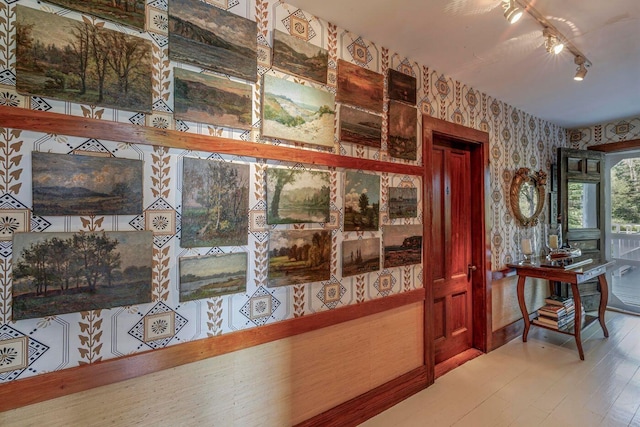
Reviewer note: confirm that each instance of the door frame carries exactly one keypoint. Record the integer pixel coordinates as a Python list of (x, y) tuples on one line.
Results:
[(478, 144)]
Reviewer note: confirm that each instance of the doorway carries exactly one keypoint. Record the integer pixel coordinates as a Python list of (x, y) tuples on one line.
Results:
[(457, 318)]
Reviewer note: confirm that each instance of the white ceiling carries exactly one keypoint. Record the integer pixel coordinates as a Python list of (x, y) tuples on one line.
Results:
[(471, 41)]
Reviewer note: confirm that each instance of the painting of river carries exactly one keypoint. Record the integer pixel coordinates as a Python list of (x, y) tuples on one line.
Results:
[(212, 275), (297, 196)]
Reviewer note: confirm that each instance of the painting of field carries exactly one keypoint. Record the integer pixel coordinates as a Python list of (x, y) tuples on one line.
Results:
[(299, 256), (359, 86), (297, 196), (76, 61), (215, 203), (209, 37), (56, 273), (212, 275), (402, 87), (297, 112), (403, 202), (300, 58), (360, 256), (403, 131), (125, 12), (65, 184), (360, 127), (361, 201), (402, 245), (210, 99)]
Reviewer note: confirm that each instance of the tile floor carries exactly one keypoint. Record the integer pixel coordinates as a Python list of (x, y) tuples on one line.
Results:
[(538, 383)]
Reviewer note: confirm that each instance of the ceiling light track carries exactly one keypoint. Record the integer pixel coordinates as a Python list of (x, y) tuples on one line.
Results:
[(555, 41)]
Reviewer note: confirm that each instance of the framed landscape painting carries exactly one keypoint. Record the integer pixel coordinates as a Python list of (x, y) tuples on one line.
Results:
[(70, 184), (401, 87), (361, 201), (360, 256), (402, 245), (300, 58), (359, 86), (209, 37), (297, 112), (297, 196), (402, 140), (212, 276), (56, 273), (125, 12), (87, 64), (211, 99), (360, 127), (403, 202), (215, 203), (299, 256)]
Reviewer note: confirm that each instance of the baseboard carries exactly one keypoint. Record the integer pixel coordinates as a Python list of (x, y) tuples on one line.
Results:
[(359, 409)]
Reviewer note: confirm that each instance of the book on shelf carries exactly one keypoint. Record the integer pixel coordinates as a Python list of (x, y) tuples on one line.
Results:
[(552, 310), (558, 300)]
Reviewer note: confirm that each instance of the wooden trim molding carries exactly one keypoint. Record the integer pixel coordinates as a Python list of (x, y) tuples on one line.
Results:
[(63, 124), (614, 147), (47, 386), (361, 408)]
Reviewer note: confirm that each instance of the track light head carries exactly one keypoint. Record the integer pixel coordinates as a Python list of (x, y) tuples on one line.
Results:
[(512, 12), (581, 71), (551, 41)]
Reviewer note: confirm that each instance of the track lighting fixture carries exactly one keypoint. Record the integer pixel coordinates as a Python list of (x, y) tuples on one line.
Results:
[(552, 42), (512, 12), (581, 71)]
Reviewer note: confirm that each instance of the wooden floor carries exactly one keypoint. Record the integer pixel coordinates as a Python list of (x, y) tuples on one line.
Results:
[(538, 383)]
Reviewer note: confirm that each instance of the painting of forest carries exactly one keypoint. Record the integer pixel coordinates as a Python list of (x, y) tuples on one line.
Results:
[(209, 37), (402, 245), (125, 12), (360, 256), (403, 202), (69, 184), (297, 112), (360, 127), (56, 273), (212, 275), (210, 99), (359, 86), (299, 256), (403, 131), (76, 61), (298, 57), (297, 196), (402, 87), (215, 203), (361, 201)]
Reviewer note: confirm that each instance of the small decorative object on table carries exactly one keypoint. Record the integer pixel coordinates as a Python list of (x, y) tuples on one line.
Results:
[(553, 238), (528, 244)]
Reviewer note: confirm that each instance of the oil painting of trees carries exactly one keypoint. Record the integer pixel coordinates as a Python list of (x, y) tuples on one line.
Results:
[(77, 61), (360, 256), (361, 201), (56, 273), (299, 256), (66, 184), (215, 203), (126, 12), (297, 196)]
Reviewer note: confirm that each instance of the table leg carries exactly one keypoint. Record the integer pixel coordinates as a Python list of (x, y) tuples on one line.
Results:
[(523, 307), (577, 318), (604, 299)]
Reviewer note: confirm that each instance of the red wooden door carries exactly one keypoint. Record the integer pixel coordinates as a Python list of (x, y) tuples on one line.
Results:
[(451, 239)]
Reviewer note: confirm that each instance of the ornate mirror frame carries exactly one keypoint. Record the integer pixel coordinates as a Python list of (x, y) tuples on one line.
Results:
[(537, 180)]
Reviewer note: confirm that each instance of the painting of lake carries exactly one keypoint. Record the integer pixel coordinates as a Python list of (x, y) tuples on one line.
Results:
[(403, 202), (297, 196), (69, 184), (212, 275), (209, 37), (360, 127)]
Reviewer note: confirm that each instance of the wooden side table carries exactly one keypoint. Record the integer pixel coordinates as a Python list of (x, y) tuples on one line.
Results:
[(576, 271)]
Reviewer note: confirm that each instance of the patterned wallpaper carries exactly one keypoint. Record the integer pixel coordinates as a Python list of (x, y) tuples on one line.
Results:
[(604, 133), (30, 347)]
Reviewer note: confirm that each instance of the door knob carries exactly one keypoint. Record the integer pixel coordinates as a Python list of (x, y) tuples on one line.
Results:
[(470, 268)]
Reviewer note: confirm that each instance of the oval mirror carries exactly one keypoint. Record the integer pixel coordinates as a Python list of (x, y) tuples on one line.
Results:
[(527, 195)]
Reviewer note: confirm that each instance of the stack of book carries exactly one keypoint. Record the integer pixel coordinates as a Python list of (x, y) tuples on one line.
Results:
[(558, 312)]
